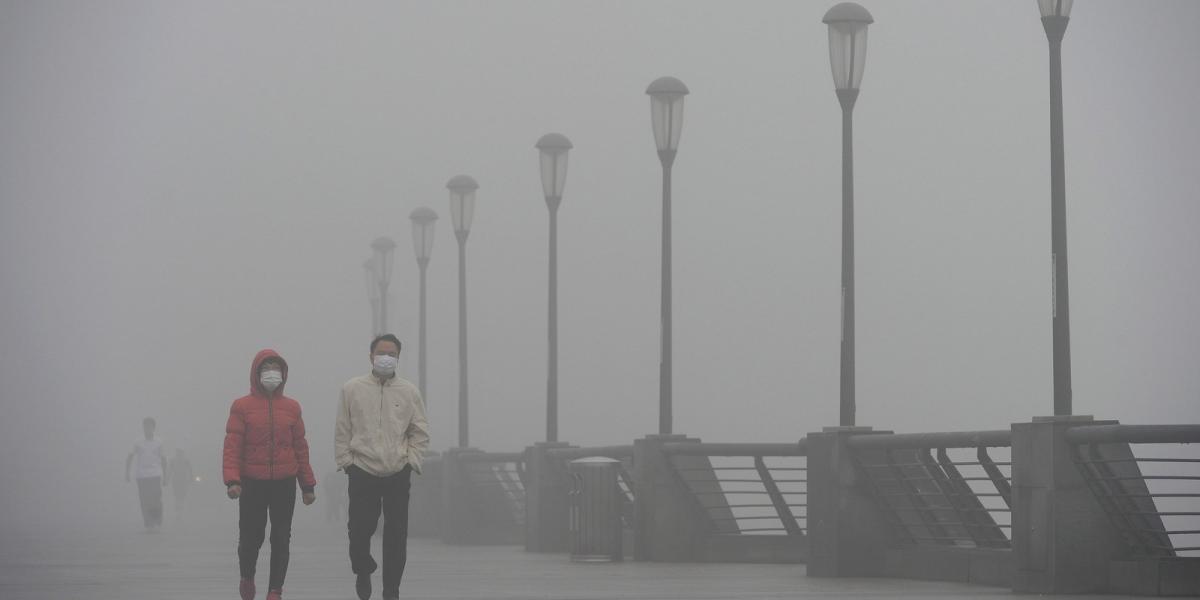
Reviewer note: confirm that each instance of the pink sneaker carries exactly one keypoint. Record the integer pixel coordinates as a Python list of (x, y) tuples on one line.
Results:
[(274, 594), (246, 588)]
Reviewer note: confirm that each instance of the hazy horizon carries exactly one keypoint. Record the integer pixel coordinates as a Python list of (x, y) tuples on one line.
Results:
[(184, 184)]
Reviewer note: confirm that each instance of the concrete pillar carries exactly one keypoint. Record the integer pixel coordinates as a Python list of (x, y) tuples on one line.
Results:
[(667, 526), (425, 499), (1062, 540), (546, 487), (847, 534), (460, 519)]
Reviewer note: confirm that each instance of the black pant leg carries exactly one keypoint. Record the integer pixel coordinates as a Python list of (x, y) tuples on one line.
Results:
[(395, 530), (252, 524), (365, 492), (281, 506), (156, 503), (144, 500), (150, 496)]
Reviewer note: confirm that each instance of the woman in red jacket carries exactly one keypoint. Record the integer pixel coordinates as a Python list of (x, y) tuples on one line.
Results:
[(265, 456)]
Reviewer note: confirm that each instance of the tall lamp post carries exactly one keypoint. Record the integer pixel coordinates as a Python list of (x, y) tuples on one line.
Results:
[(384, 249), (1055, 16), (462, 210), (372, 278), (423, 219), (553, 148), (847, 54), (666, 117)]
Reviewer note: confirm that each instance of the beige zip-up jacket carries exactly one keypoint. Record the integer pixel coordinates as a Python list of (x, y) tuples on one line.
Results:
[(381, 426)]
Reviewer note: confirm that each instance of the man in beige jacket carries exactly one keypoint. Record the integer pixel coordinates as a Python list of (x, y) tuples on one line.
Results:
[(380, 437)]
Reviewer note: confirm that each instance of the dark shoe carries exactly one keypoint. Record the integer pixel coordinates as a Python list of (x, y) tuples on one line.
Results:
[(363, 586), (246, 589)]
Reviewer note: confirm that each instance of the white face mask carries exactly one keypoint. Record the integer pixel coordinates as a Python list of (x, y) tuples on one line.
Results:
[(384, 364), (271, 380)]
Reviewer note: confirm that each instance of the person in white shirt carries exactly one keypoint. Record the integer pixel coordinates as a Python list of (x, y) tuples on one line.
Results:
[(151, 474), (379, 439)]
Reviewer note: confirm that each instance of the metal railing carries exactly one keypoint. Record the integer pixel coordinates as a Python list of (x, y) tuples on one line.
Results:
[(498, 473), (933, 490), (1153, 500), (746, 488)]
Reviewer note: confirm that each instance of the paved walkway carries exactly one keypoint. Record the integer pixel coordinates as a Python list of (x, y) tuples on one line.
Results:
[(201, 564)]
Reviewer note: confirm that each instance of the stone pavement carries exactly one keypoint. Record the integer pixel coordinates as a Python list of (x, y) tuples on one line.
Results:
[(184, 563)]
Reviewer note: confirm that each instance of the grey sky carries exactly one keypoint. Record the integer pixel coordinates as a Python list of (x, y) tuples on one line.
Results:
[(182, 184)]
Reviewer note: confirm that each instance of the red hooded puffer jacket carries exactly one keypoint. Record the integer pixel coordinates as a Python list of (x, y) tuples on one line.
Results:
[(264, 438)]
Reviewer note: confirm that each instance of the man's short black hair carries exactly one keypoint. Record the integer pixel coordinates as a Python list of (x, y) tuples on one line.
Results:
[(148, 421), (387, 337)]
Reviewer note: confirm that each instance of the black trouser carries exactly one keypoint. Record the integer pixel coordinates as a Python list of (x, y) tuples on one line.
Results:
[(150, 496), (260, 499), (369, 494)]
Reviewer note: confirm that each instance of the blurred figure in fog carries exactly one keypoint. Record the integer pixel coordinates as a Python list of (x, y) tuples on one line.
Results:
[(150, 473), (265, 457), (182, 478), (379, 439)]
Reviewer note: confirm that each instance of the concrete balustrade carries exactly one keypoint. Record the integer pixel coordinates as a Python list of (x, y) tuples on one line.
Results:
[(669, 521), (546, 488), (846, 533), (1061, 539)]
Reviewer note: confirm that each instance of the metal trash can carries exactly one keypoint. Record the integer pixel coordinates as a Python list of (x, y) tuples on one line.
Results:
[(595, 509)]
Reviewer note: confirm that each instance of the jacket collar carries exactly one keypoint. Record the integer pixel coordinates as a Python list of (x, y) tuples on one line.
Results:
[(375, 379)]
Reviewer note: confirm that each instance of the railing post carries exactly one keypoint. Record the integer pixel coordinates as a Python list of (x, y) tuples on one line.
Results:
[(459, 515), (666, 527), (545, 499), (786, 518), (425, 504), (1062, 540), (847, 535)]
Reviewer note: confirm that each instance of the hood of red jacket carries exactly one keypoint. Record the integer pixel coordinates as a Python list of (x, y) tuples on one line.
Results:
[(256, 387)]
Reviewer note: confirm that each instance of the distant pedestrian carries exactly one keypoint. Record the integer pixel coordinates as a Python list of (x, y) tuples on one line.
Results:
[(150, 473), (380, 437), (182, 479), (266, 455)]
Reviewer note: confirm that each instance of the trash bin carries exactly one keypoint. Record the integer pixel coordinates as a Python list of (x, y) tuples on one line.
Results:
[(595, 510)]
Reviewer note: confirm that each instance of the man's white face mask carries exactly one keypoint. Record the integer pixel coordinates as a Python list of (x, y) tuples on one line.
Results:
[(271, 379), (384, 365)]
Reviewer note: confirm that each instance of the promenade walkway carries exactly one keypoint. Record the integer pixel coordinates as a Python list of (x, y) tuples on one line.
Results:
[(200, 563)]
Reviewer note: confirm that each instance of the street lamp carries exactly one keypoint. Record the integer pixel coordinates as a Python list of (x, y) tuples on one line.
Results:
[(553, 149), (462, 210), (666, 117), (1055, 16), (384, 250), (372, 278), (847, 56), (423, 220)]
